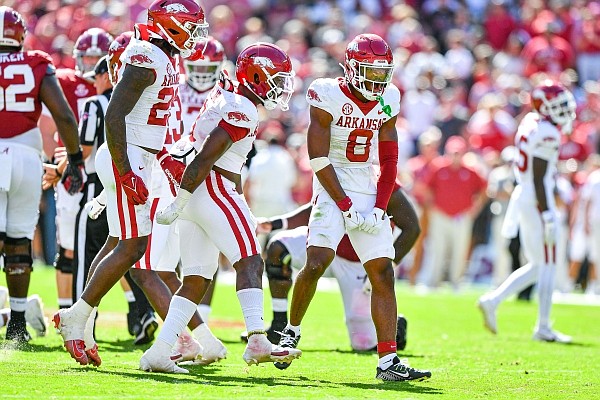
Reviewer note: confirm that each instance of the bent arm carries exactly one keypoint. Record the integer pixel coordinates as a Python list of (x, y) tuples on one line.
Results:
[(539, 170), (405, 217)]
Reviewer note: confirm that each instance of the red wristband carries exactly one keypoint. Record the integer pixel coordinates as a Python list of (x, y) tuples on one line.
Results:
[(386, 347), (345, 203)]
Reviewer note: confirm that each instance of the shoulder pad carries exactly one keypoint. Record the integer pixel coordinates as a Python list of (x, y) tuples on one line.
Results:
[(319, 90), (140, 53), (240, 113)]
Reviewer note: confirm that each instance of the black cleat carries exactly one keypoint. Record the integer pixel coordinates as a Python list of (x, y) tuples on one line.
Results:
[(288, 339), (134, 325), (149, 327), (17, 332), (401, 332), (402, 372)]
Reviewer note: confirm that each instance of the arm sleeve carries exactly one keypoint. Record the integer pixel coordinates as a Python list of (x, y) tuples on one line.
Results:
[(388, 161)]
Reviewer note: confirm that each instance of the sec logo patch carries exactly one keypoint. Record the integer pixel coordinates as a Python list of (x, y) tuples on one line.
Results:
[(347, 109)]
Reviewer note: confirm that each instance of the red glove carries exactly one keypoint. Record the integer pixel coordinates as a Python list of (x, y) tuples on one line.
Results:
[(134, 187), (172, 168)]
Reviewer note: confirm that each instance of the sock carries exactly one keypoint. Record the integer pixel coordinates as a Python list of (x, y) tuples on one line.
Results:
[(251, 301), (81, 309), (64, 302), (180, 312), (545, 288), (280, 305), (18, 304), (202, 332), (293, 328), (4, 316), (204, 311), (517, 281), (387, 361)]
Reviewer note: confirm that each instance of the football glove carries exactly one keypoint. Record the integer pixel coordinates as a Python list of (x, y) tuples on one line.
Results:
[(353, 219), (95, 206), (374, 221), (549, 221), (167, 215), (172, 168), (134, 187), (72, 177)]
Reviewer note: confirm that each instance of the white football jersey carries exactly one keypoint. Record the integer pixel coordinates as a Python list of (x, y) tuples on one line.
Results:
[(354, 131), (235, 110), (537, 138), (148, 122), (294, 241), (191, 103)]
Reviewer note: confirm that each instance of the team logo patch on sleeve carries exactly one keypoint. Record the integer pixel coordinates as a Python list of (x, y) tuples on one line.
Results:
[(313, 95), (237, 116), (140, 59)]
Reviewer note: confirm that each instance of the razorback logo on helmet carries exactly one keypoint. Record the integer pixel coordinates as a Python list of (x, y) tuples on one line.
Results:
[(140, 59), (264, 62), (175, 8), (237, 116), (313, 95)]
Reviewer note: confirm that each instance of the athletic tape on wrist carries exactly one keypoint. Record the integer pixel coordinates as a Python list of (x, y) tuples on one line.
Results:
[(280, 223)]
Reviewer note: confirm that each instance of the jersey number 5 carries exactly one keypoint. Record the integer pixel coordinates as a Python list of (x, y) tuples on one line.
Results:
[(8, 95), (522, 162), (359, 145)]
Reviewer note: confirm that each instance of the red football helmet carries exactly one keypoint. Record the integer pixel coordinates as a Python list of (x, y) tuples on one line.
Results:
[(369, 65), (556, 103), (266, 70), (117, 47), (14, 29), (204, 65), (179, 22), (92, 43)]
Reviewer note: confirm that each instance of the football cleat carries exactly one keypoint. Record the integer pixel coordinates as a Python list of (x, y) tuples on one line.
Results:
[(260, 350), (550, 335), (400, 371), (91, 348), (401, 328), (72, 332), (273, 333), (133, 324), (149, 327), (17, 332), (488, 309), (213, 350), (34, 315), (187, 346), (288, 341), (93, 356), (154, 360)]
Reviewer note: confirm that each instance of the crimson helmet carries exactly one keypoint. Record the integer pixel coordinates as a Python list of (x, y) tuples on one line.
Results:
[(117, 47), (179, 22), (369, 60), (556, 103), (13, 28), (92, 43), (204, 65), (266, 70)]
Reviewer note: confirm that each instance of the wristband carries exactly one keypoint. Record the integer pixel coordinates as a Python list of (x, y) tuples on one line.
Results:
[(319, 163), (75, 157), (280, 223), (161, 155), (344, 204)]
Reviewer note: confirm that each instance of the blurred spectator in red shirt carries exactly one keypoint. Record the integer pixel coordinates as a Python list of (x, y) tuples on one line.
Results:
[(490, 127), (548, 53), (587, 43), (498, 25)]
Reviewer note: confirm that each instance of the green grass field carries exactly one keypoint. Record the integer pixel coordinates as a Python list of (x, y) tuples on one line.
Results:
[(445, 335)]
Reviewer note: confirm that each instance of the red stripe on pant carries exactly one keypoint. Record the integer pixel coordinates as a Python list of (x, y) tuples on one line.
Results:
[(240, 214), (228, 215), (119, 191), (149, 247)]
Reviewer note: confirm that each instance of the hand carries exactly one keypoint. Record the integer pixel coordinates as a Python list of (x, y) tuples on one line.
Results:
[(51, 176), (374, 221), (72, 177), (263, 225), (134, 188), (166, 216), (353, 219), (95, 206), (172, 168), (549, 221)]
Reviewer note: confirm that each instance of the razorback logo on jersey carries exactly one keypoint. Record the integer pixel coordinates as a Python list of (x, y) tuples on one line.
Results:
[(237, 116), (177, 7), (313, 95), (140, 59), (264, 62)]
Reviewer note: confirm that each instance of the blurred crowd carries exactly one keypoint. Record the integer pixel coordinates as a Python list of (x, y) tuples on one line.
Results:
[(465, 69)]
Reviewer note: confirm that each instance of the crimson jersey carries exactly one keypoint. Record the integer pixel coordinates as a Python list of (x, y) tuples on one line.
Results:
[(76, 88), (21, 75)]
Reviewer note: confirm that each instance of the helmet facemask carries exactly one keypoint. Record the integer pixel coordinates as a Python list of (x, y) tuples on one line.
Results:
[(203, 76), (370, 79), (281, 89), (560, 110), (195, 32)]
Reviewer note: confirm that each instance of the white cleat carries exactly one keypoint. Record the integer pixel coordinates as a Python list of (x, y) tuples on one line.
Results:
[(3, 296), (213, 350), (154, 360), (260, 350), (34, 315), (549, 335), (188, 347), (488, 309), (71, 329)]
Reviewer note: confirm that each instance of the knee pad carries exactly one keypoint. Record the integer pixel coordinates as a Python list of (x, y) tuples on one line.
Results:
[(17, 256), (62, 263), (277, 263)]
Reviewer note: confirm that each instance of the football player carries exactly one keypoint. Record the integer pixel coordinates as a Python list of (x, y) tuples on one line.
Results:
[(348, 116), (137, 121), (214, 215), (532, 209), (28, 80)]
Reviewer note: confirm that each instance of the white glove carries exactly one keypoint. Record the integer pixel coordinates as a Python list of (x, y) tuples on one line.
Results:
[(549, 221), (353, 219), (95, 206), (166, 216), (374, 221)]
